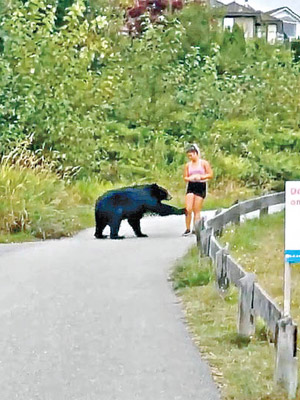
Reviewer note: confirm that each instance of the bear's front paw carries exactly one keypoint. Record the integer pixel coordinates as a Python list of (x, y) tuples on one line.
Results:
[(97, 236)]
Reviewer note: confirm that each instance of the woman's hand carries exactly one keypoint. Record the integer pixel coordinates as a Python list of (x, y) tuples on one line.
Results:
[(196, 177)]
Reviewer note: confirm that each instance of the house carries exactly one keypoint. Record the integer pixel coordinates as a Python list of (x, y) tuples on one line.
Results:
[(254, 23), (244, 16), (291, 21), (269, 27)]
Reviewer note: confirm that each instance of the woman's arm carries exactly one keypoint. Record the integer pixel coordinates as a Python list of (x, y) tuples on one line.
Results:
[(186, 176), (208, 171), (185, 173)]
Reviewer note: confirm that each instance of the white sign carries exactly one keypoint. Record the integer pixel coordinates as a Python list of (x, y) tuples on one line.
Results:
[(292, 221)]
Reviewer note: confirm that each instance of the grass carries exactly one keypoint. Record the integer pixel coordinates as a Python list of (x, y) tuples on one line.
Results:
[(189, 274), (37, 204), (224, 193), (258, 245), (243, 369)]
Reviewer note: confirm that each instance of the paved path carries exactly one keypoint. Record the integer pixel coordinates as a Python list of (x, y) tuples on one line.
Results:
[(87, 319)]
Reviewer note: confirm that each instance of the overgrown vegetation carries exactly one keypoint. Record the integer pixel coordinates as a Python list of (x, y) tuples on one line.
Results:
[(120, 110)]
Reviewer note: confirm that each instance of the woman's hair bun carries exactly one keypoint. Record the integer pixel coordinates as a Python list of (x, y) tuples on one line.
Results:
[(193, 147)]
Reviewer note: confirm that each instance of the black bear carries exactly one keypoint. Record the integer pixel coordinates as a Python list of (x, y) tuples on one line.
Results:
[(130, 203)]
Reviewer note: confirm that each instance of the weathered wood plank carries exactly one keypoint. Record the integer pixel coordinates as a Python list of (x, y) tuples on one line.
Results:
[(222, 219), (222, 280), (250, 205), (199, 226), (286, 369), (235, 271), (263, 211), (215, 246), (266, 308), (231, 215), (205, 235), (246, 317), (272, 199)]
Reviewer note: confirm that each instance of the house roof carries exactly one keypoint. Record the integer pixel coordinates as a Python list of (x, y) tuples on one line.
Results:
[(216, 3), (288, 19), (237, 10), (266, 17), (287, 9), (234, 10)]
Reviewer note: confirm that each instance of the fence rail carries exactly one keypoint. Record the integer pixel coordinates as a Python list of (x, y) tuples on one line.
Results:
[(253, 300), (234, 213)]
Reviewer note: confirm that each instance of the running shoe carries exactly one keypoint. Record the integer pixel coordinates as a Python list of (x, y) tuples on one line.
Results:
[(186, 233)]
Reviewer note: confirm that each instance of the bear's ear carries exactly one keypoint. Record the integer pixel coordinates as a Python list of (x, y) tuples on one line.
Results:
[(155, 190), (154, 186), (159, 192)]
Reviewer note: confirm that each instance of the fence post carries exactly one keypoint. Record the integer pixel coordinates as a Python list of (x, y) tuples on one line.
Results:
[(205, 235), (222, 279), (246, 323), (286, 355), (237, 214), (199, 226), (263, 211), (218, 232)]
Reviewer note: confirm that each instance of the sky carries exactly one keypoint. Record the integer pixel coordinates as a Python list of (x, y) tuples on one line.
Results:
[(266, 5)]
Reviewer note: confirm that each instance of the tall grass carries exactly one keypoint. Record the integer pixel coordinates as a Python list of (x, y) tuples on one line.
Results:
[(36, 197), (36, 202)]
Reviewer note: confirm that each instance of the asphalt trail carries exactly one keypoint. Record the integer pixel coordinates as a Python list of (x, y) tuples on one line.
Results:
[(87, 319)]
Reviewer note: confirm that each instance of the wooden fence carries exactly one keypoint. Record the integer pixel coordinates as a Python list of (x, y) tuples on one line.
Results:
[(253, 300)]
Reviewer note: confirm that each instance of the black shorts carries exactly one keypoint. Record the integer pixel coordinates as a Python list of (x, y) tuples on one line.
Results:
[(197, 188)]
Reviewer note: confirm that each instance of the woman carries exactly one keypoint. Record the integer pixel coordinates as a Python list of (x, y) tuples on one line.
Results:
[(196, 172)]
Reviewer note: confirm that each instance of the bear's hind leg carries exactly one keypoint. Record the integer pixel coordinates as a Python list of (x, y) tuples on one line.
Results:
[(136, 226), (101, 223)]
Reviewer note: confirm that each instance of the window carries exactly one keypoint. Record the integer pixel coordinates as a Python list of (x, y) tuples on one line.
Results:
[(228, 23), (289, 29)]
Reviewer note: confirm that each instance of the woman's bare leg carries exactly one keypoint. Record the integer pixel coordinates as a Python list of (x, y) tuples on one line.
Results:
[(197, 208), (189, 205)]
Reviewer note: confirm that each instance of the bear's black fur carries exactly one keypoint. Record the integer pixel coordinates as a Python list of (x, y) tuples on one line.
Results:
[(130, 203)]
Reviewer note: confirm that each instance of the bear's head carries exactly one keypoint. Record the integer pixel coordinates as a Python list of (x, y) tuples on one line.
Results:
[(159, 192)]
